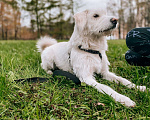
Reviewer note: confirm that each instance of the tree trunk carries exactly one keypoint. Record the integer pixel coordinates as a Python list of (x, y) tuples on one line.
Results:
[(119, 29), (72, 12), (2, 22), (16, 32), (138, 17), (148, 12), (61, 20), (37, 19), (6, 34), (2, 32)]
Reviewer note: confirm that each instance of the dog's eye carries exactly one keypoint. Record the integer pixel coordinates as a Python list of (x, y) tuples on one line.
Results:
[(96, 15)]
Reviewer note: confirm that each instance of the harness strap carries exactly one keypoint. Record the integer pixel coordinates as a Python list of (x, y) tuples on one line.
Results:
[(91, 51)]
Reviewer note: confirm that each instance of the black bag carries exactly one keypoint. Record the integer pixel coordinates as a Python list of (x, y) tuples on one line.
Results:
[(138, 41), (136, 59)]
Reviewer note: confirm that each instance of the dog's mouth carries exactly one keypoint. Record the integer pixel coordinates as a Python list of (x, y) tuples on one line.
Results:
[(106, 30)]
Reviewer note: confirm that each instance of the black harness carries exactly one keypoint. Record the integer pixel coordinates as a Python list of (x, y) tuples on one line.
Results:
[(91, 51)]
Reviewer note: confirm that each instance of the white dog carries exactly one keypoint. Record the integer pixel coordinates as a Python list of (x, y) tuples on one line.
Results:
[(85, 54)]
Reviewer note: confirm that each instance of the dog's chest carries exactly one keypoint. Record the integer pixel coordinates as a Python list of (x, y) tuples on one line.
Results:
[(86, 61)]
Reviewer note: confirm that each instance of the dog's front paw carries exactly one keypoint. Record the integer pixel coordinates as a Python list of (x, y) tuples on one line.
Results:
[(141, 88), (126, 101), (49, 72)]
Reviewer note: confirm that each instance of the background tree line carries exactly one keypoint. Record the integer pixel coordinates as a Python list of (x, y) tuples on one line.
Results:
[(48, 17), (9, 20), (131, 14), (55, 17)]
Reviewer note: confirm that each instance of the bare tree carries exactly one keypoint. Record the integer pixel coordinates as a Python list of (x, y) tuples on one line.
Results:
[(131, 14), (1, 18), (9, 18)]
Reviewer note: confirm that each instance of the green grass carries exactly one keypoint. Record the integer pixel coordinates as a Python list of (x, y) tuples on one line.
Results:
[(61, 99)]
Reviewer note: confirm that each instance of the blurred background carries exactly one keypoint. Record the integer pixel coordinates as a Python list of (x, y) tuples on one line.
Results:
[(30, 19)]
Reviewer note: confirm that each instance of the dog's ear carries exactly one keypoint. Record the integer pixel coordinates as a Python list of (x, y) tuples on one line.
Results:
[(81, 19)]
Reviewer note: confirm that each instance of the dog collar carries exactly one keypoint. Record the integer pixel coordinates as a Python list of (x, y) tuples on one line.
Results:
[(91, 51)]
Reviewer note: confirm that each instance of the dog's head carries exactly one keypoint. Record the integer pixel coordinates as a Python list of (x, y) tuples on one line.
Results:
[(94, 22)]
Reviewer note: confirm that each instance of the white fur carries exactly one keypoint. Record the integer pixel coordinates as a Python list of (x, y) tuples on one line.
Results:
[(88, 32), (44, 41)]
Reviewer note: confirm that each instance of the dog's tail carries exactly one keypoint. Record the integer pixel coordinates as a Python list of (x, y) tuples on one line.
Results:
[(44, 42)]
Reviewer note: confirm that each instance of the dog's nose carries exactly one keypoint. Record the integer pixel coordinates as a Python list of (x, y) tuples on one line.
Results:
[(114, 20)]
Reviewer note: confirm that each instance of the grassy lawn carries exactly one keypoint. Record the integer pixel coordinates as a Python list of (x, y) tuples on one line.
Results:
[(62, 99)]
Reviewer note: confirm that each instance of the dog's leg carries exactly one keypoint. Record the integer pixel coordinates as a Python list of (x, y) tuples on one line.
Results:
[(112, 77), (85, 74), (46, 68), (105, 89)]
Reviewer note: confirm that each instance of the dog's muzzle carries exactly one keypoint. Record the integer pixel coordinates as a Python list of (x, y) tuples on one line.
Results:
[(114, 23)]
